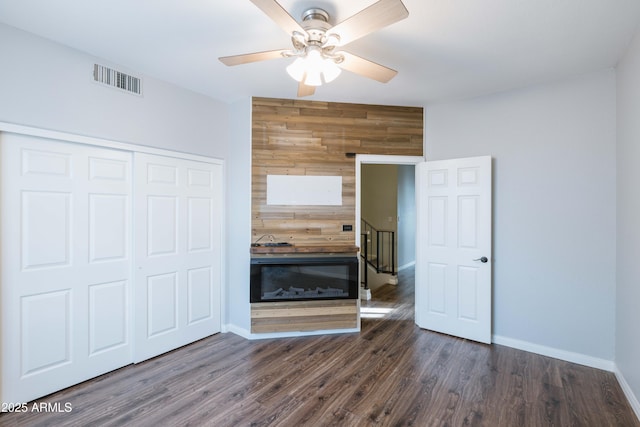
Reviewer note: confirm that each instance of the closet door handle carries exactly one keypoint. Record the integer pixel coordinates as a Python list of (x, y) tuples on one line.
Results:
[(482, 259)]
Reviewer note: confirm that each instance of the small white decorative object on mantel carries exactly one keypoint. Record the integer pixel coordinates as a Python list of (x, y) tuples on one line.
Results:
[(304, 190)]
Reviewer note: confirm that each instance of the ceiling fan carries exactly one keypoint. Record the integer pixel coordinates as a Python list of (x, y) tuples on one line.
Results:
[(317, 44)]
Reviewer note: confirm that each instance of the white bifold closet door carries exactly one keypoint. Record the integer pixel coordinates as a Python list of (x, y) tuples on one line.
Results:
[(66, 264), (177, 255), (108, 257)]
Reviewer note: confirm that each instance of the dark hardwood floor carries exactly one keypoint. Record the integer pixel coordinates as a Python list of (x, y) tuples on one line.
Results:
[(392, 373)]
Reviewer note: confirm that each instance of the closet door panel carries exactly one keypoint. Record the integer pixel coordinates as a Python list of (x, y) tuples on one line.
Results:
[(66, 264), (178, 209)]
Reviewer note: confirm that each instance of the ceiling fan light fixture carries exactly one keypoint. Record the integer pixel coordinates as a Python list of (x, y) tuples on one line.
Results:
[(297, 69), (314, 68), (332, 40), (330, 70), (313, 78)]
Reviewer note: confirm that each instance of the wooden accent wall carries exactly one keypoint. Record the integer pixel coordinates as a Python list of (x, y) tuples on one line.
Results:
[(294, 137), (303, 316)]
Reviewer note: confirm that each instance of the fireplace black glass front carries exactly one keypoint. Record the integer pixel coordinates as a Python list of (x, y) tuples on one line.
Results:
[(298, 278)]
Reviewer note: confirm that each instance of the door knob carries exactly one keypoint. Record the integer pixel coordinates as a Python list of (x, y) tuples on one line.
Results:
[(483, 259)]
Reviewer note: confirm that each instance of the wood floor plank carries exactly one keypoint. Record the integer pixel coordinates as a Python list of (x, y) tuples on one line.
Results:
[(391, 373)]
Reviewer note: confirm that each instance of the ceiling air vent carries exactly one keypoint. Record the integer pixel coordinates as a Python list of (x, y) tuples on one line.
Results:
[(110, 77)]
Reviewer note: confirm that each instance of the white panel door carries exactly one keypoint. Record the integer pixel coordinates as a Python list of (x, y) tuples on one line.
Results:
[(178, 208), (453, 268), (66, 264)]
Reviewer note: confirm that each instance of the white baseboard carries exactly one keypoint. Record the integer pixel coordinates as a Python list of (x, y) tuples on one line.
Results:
[(407, 265), (375, 280), (581, 359), (244, 333), (626, 388)]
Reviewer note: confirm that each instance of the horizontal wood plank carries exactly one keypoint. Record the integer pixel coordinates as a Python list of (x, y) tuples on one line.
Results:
[(258, 313), (304, 326), (326, 249), (291, 316)]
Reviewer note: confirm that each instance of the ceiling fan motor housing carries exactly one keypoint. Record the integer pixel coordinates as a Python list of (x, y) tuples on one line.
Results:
[(315, 21), (315, 13)]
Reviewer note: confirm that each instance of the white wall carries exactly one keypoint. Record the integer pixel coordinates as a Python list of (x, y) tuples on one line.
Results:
[(379, 195), (628, 220), (554, 207), (239, 219), (406, 215), (44, 84)]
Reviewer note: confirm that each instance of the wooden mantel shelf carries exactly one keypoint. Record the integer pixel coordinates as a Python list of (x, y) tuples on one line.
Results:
[(337, 249)]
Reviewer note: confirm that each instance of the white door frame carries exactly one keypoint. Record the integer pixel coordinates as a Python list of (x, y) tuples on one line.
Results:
[(375, 159)]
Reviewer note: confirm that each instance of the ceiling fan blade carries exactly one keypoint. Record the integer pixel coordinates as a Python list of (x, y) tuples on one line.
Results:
[(252, 57), (374, 17), (304, 90), (279, 15), (366, 68)]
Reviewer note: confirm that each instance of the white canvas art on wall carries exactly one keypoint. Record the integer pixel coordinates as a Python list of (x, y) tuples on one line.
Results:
[(302, 190)]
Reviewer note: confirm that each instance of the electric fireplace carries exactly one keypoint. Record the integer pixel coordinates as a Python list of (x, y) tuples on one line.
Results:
[(299, 277)]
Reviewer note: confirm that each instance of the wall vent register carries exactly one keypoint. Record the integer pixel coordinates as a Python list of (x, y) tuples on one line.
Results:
[(117, 79)]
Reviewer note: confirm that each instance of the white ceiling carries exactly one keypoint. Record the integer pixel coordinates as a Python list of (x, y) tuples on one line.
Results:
[(445, 49)]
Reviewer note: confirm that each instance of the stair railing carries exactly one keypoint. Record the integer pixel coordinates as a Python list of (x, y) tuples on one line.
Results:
[(378, 248)]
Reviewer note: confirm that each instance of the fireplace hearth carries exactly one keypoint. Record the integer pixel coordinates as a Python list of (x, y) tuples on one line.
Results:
[(303, 277)]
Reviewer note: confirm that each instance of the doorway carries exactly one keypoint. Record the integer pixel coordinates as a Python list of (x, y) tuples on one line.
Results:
[(386, 212)]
